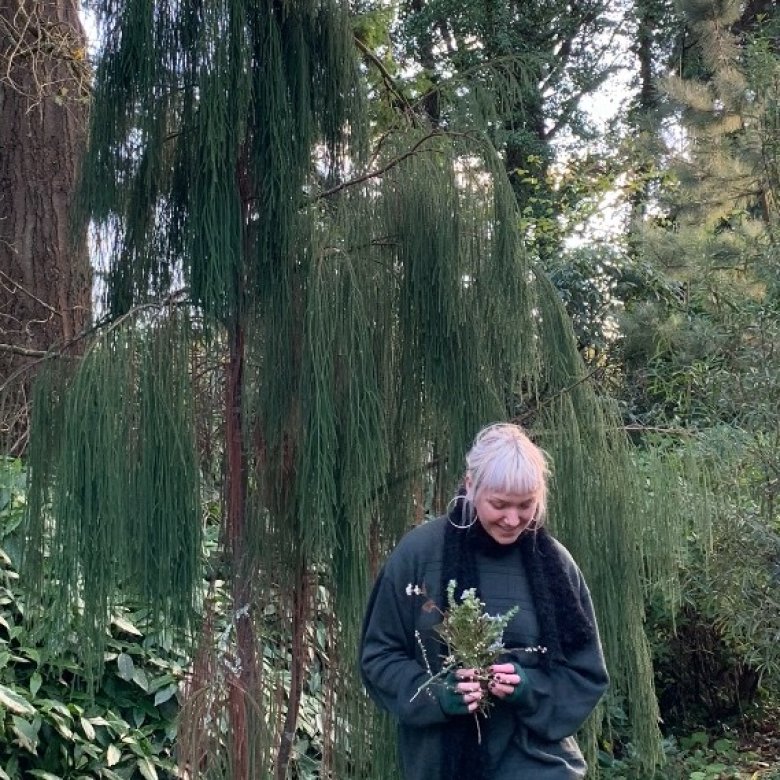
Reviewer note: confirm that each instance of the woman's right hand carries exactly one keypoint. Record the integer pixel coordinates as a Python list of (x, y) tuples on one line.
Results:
[(461, 692)]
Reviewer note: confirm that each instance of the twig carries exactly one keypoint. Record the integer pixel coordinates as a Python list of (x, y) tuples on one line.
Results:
[(17, 350), (388, 166), (46, 44), (634, 427), (378, 172), (17, 286), (520, 419), (389, 81)]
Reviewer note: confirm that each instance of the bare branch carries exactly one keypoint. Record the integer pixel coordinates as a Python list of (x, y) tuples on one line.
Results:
[(388, 166), (17, 350), (389, 82), (50, 53), (17, 286)]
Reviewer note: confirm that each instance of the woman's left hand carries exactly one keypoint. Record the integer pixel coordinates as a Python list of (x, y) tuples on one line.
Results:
[(504, 680)]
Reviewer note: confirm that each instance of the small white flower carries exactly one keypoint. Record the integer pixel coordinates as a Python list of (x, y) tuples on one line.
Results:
[(409, 589)]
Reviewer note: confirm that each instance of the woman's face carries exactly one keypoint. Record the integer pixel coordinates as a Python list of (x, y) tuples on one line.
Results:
[(504, 516)]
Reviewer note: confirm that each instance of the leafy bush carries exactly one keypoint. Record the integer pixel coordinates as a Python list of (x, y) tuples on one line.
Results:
[(716, 652), (698, 756), (51, 725)]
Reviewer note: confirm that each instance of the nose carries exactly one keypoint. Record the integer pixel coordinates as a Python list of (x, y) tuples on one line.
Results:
[(512, 518)]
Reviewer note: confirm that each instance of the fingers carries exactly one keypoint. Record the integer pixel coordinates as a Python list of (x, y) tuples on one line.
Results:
[(504, 679), (469, 688), (512, 679), (472, 694), (507, 668), (500, 690)]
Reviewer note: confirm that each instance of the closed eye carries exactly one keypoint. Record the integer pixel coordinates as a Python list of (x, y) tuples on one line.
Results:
[(502, 505)]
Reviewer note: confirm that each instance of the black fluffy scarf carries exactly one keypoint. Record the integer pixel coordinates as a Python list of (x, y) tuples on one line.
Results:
[(563, 624)]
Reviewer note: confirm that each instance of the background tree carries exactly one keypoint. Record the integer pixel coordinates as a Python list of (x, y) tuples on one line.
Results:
[(45, 278), (701, 359), (554, 54)]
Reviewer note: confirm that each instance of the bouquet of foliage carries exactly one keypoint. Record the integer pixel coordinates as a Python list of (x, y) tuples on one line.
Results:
[(474, 639)]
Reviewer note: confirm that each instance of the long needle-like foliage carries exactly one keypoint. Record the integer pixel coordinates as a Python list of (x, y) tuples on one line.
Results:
[(365, 327)]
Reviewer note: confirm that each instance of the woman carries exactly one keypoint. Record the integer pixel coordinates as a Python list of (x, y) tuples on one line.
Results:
[(551, 673)]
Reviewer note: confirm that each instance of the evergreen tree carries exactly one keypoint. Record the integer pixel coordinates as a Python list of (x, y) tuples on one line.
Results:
[(557, 53), (718, 234), (361, 316), (701, 359)]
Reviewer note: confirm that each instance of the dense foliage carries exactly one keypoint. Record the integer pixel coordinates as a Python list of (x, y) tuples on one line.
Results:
[(54, 723), (337, 241)]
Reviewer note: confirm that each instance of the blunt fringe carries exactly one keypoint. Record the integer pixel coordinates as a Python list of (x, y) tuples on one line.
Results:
[(504, 459)]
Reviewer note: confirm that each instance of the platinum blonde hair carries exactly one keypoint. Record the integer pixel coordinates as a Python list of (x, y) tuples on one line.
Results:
[(504, 459)]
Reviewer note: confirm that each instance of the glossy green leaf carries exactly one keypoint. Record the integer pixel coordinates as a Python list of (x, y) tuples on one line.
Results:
[(147, 769), (124, 625), (88, 729), (12, 701), (126, 666), (26, 734), (35, 683), (165, 693), (113, 755)]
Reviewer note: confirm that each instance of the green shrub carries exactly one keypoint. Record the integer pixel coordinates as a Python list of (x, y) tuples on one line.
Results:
[(51, 725)]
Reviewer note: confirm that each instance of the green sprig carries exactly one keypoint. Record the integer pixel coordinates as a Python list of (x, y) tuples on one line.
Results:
[(474, 638)]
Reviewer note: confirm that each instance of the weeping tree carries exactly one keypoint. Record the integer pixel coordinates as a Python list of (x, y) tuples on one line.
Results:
[(359, 307)]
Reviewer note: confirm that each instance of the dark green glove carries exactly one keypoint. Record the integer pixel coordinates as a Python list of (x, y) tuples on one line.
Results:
[(450, 698)]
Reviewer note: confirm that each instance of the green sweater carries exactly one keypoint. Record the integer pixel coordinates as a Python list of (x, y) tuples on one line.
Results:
[(529, 740)]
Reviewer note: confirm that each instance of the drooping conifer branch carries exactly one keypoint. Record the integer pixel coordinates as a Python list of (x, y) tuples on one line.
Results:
[(359, 334)]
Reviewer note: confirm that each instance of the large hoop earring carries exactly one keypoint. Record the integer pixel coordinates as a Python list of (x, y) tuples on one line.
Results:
[(451, 505)]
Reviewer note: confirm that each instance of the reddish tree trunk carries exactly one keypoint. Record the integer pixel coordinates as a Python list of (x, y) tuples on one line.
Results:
[(243, 683), (301, 599)]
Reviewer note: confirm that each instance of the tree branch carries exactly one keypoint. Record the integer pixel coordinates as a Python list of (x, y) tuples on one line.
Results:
[(389, 82), (385, 168), (17, 286), (174, 299), (23, 351)]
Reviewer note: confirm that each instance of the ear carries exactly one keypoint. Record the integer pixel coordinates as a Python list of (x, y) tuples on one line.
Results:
[(468, 483)]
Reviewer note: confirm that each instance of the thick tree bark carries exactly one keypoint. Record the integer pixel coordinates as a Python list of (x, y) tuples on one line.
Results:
[(45, 279)]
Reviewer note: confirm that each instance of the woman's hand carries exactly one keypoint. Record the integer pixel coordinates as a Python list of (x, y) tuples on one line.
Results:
[(505, 681), (462, 692)]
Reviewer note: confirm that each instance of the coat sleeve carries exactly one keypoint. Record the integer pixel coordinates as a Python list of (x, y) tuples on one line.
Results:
[(391, 673), (556, 701)]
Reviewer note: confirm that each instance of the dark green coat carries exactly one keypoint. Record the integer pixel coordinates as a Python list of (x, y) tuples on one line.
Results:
[(531, 740)]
